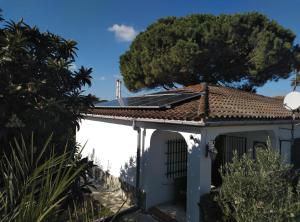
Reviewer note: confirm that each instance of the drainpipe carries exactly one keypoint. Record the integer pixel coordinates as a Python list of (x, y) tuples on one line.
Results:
[(138, 163)]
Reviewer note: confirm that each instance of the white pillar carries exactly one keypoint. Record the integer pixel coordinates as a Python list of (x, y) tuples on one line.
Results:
[(198, 175)]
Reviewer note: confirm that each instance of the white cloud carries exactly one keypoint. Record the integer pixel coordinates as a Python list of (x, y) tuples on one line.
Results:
[(101, 78), (123, 33)]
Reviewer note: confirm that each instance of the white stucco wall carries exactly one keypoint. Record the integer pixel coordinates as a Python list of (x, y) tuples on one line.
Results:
[(113, 144)]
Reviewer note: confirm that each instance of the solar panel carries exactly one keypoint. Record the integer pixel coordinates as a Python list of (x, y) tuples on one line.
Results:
[(150, 101)]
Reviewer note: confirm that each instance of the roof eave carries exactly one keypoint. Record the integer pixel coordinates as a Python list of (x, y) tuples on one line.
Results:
[(201, 123), (248, 122)]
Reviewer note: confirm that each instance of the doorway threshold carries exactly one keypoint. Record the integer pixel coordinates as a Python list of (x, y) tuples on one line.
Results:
[(169, 212)]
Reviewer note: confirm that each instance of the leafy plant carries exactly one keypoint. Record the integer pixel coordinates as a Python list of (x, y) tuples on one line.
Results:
[(34, 188), (82, 184), (41, 89), (258, 189), (87, 211), (210, 210)]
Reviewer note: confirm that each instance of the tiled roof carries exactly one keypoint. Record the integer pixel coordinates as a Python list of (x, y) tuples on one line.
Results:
[(217, 103)]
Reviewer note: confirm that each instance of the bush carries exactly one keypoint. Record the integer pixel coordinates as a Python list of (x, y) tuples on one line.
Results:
[(36, 186), (257, 190), (210, 210)]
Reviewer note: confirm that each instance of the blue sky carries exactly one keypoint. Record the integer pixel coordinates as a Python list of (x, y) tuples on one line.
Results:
[(95, 23)]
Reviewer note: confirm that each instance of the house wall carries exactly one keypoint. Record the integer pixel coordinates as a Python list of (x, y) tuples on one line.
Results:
[(112, 145)]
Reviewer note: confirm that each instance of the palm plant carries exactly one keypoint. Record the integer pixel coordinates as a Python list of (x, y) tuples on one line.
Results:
[(35, 182)]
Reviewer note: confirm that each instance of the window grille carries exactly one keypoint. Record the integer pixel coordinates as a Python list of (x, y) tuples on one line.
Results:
[(231, 144), (176, 158)]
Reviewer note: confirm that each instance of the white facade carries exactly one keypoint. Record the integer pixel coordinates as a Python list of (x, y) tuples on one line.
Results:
[(111, 143), (114, 143)]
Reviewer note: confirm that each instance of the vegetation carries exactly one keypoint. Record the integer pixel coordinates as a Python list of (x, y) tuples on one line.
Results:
[(239, 50), (42, 92), (36, 186), (210, 210), (39, 89), (261, 189)]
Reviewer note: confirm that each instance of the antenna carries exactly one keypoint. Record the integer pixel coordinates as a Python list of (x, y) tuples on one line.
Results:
[(292, 101)]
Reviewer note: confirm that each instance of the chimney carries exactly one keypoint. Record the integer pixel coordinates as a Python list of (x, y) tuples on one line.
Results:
[(118, 89)]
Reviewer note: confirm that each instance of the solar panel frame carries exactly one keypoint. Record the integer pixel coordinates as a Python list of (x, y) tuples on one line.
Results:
[(166, 101)]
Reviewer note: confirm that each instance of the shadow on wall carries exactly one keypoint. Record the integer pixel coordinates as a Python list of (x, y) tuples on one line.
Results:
[(128, 171), (127, 178), (102, 178), (124, 185)]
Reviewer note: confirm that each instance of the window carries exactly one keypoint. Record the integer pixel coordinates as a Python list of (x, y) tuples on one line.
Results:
[(226, 145), (231, 144), (176, 158)]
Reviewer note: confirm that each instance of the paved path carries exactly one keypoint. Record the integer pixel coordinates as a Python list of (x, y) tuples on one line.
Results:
[(113, 200), (138, 217)]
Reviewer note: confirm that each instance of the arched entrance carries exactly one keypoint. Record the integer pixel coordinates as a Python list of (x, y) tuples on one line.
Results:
[(166, 169)]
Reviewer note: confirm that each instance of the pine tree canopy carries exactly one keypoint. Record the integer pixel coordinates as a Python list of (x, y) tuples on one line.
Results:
[(240, 50)]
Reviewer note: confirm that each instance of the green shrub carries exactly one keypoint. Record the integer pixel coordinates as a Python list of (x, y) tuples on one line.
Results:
[(257, 190), (210, 210), (35, 188)]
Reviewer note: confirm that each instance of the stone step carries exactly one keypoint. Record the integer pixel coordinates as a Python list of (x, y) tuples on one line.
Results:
[(160, 215)]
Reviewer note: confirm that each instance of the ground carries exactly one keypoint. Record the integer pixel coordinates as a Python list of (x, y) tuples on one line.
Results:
[(138, 217)]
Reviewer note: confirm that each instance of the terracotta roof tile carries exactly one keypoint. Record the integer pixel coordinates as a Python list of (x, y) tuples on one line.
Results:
[(221, 103)]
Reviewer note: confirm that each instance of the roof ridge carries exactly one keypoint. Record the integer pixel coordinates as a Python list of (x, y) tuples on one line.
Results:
[(226, 87), (203, 107)]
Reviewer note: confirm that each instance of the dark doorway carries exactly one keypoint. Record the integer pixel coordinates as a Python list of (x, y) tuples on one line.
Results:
[(295, 154), (226, 145), (176, 168)]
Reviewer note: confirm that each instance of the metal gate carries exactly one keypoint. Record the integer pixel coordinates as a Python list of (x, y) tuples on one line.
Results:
[(231, 144), (176, 158)]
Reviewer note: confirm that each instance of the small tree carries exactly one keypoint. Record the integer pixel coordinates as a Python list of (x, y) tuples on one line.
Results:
[(257, 189), (39, 90)]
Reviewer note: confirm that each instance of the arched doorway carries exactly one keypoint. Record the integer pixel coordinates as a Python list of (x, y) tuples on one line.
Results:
[(166, 169)]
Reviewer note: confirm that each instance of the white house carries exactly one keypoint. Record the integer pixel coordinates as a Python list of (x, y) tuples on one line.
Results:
[(172, 136)]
